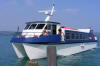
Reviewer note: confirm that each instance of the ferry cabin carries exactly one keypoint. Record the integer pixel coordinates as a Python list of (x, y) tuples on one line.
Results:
[(33, 29), (33, 33)]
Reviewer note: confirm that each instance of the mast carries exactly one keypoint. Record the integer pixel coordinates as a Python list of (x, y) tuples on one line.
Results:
[(50, 14)]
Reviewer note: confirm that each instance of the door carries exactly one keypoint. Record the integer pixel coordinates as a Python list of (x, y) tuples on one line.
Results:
[(54, 28)]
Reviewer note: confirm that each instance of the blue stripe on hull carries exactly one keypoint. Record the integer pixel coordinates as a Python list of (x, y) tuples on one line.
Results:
[(41, 39), (51, 39)]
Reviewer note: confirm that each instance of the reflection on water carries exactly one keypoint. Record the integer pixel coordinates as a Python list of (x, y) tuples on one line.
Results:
[(80, 59), (21, 62)]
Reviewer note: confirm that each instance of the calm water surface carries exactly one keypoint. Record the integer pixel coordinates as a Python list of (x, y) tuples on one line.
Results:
[(9, 58)]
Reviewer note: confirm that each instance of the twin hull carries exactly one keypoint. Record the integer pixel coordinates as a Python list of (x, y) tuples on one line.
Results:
[(36, 51)]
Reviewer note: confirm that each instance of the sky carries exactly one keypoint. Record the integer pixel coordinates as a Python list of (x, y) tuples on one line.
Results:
[(70, 13)]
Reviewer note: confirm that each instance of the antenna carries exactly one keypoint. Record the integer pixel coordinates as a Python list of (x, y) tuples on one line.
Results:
[(18, 29), (49, 13)]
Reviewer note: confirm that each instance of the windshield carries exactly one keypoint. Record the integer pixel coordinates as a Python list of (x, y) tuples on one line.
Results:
[(48, 26), (32, 26), (28, 26), (40, 26)]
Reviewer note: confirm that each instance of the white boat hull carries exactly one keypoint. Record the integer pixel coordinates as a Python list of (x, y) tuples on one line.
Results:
[(36, 51), (19, 50)]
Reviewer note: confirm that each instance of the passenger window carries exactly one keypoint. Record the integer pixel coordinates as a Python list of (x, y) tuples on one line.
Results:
[(67, 35), (86, 36), (73, 36), (83, 36), (77, 36), (80, 36)]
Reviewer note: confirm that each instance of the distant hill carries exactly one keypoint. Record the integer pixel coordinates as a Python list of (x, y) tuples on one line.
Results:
[(6, 32)]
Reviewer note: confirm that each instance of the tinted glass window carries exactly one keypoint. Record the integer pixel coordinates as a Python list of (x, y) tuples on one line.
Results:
[(83, 36), (40, 26), (48, 26), (73, 36), (32, 26), (86, 36), (80, 36), (67, 35), (27, 26), (77, 36)]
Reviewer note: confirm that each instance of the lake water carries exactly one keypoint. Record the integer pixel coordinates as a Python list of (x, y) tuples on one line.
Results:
[(9, 58)]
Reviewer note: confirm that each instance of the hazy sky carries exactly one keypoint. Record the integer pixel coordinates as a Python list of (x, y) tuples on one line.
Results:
[(71, 13)]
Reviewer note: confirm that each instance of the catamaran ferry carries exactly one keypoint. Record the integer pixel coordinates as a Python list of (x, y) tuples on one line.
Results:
[(33, 41)]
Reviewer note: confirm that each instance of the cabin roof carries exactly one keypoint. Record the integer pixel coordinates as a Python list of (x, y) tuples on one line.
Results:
[(42, 22)]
